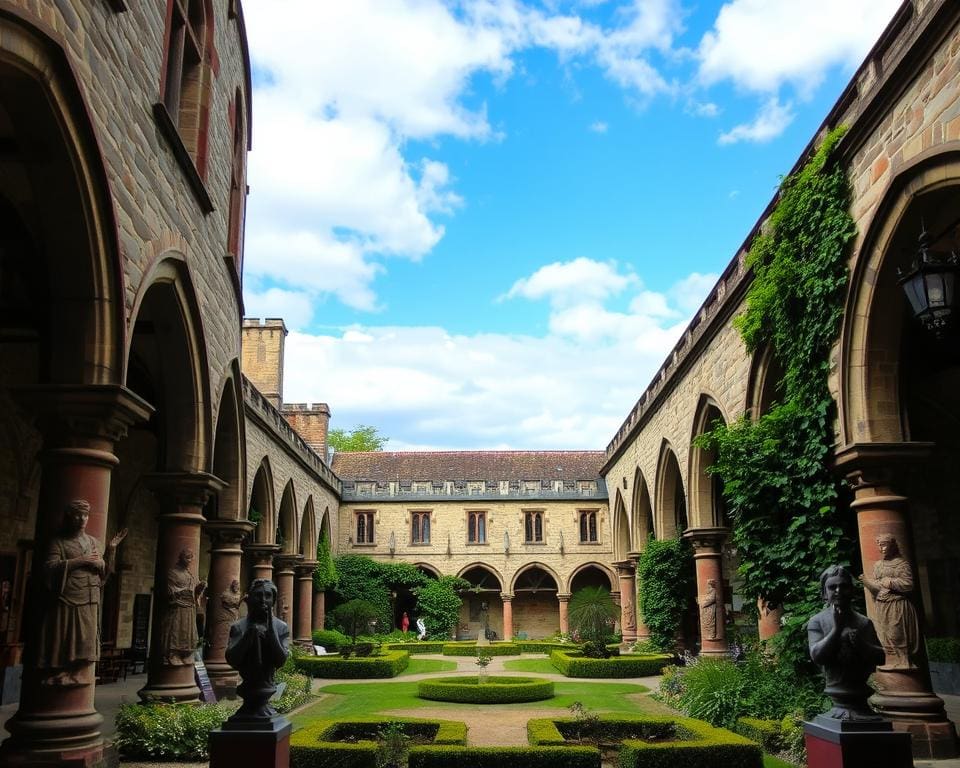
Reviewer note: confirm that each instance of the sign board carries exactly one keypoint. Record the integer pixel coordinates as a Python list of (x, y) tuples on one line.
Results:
[(203, 682)]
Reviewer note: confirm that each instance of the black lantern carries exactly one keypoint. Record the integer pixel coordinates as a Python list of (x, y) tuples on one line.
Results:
[(930, 286)]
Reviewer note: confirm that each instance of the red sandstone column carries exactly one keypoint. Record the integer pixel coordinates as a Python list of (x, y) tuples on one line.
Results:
[(58, 722), (905, 695), (643, 631), (182, 496), (225, 557), (303, 617), (564, 600), (261, 557), (284, 567), (507, 616), (628, 602), (768, 624), (708, 560), (319, 608)]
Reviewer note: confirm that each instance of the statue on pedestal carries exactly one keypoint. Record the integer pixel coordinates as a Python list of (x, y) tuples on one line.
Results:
[(708, 611), (845, 645), (897, 622), (226, 610), (178, 624), (259, 644)]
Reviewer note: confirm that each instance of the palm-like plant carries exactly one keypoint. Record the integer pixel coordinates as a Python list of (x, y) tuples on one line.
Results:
[(593, 613)]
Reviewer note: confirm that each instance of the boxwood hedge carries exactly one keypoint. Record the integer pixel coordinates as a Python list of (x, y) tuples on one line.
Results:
[(559, 731), (498, 757), (494, 690), (425, 647), (574, 664), (545, 646), (766, 733), (386, 664), (471, 649)]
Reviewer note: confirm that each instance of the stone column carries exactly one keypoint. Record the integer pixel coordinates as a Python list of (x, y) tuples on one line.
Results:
[(319, 608), (222, 602), (182, 496), (643, 631), (57, 722), (904, 693), (563, 598), (628, 602), (707, 557), (303, 617), (283, 575), (261, 556), (507, 616)]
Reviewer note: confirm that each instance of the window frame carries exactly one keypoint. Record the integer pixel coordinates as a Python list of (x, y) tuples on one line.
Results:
[(478, 518), (418, 518), (369, 538), (531, 519), (588, 523)]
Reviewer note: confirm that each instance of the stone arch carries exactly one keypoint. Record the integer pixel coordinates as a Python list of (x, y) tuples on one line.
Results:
[(706, 492), (641, 512), (262, 507), (620, 526), (308, 531), (286, 534), (592, 574), (228, 447), (428, 569), (764, 382), (535, 566), (870, 397), (483, 573), (68, 254), (671, 505)]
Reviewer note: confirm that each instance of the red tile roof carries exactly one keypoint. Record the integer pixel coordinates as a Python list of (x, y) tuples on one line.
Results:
[(383, 466)]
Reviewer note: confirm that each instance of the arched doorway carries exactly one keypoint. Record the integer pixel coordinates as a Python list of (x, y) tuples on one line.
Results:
[(482, 607), (535, 607)]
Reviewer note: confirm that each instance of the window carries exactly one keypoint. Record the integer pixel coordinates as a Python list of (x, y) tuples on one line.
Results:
[(476, 527), (238, 184), (588, 527), (533, 527), (420, 528), (365, 528)]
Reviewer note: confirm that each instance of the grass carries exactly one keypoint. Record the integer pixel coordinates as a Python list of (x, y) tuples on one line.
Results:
[(540, 666), (427, 666), (769, 761)]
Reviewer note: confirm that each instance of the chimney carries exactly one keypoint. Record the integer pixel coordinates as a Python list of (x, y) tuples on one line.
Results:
[(311, 422), (262, 356)]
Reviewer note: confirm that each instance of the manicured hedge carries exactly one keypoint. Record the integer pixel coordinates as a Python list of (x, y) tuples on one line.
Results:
[(425, 647), (573, 664), (545, 646), (310, 748), (387, 664), (498, 757), (767, 733), (944, 650), (559, 731), (700, 746), (494, 690), (471, 649)]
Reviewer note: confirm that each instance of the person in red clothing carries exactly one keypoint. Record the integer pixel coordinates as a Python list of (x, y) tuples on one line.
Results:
[(405, 622)]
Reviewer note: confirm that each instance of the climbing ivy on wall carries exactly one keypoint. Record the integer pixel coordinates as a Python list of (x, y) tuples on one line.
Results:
[(325, 574), (665, 572), (779, 490)]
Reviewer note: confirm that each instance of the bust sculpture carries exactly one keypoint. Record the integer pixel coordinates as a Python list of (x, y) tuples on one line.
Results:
[(844, 644), (258, 645)]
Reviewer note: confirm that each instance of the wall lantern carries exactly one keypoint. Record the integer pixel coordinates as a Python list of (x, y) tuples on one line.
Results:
[(930, 284)]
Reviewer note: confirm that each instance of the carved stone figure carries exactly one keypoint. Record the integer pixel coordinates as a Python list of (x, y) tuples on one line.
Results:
[(708, 611), (845, 645), (891, 587), (73, 576), (178, 626), (226, 611), (259, 644)]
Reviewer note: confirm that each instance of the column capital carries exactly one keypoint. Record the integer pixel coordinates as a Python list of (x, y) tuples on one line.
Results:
[(624, 568), (563, 597), (706, 541), (94, 411), (228, 534), (867, 465), (506, 597), (305, 569), (186, 488), (262, 553), (286, 562)]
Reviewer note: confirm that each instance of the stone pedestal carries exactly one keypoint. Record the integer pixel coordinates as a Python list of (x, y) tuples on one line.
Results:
[(303, 625), (319, 609), (628, 602), (284, 569), (225, 556), (57, 723), (261, 743), (564, 602), (906, 695), (261, 560), (835, 743), (707, 556), (182, 496), (507, 616)]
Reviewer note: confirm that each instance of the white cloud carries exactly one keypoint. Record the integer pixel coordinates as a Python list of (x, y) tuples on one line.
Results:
[(599, 126), (295, 307), (772, 120), (703, 109), (572, 282), (689, 293)]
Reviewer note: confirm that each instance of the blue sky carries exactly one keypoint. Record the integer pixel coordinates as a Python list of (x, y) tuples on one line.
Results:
[(486, 222)]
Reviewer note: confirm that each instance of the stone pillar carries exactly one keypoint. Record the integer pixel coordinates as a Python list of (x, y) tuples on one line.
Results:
[(563, 598), (225, 557), (283, 574), (768, 624), (707, 556), (182, 496), (57, 722), (628, 602), (261, 557), (643, 631), (303, 616), (319, 608), (904, 693), (507, 616)]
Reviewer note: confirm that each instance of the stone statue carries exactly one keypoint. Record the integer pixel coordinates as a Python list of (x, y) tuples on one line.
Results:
[(845, 645), (708, 611), (178, 625), (259, 643), (891, 587), (226, 610), (73, 576)]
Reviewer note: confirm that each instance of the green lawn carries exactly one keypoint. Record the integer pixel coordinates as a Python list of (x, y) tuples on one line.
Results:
[(427, 666), (540, 666)]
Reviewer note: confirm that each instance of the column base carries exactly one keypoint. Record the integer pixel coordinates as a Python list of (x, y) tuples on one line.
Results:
[(715, 653), (224, 679), (922, 716), (98, 756), (835, 743), (265, 744), (169, 691), (56, 733)]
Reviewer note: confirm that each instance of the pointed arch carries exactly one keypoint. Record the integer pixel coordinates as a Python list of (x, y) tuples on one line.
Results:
[(764, 384), (592, 574), (482, 575), (522, 576), (228, 449), (641, 512), (620, 525), (707, 508), (671, 504), (308, 531), (262, 508), (286, 534), (428, 569)]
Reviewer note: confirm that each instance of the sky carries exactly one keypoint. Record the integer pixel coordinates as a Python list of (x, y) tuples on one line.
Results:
[(486, 222)]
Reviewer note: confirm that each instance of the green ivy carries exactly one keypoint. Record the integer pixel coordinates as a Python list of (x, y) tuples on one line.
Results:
[(780, 493), (363, 578), (438, 604), (325, 574), (665, 571)]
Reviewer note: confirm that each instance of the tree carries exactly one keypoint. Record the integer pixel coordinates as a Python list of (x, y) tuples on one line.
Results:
[(325, 574), (438, 604), (592, 614), (354, 616), (360, 438)]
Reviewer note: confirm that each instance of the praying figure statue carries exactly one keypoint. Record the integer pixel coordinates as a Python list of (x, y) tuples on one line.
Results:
[(73, 573), (891, 587), (844, 644), (708, 611), (178, 624)]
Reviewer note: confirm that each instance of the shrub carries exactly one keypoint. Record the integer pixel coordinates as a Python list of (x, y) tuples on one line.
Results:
[(494, 690), (944, 649), (713, 691), (497, 757), (567, 730), (438, 604), (387, 664), (355, 616), (426, 646), (698, 746), (544, 646), (167, 731), (595, 650), (665, 572), (593, 613), (767, 733), (295, 694), (330, 639), (573, 664), (470, 649)]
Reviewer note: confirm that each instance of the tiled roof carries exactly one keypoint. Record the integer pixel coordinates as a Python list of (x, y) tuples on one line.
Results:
[(383, 466)]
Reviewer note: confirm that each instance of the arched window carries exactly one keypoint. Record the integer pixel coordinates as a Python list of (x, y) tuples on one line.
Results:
[(476, 527), (365, 528), (533, 527), (420, 528), (238, 184), (588, 527)]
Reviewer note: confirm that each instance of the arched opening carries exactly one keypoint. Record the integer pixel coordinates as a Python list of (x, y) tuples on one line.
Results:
[(286, 533), (228, 454), (709, 509), (535, 607), (765, 383), (621, 529), (593, 575), (262, 511), (643, 528), (308, 531), (671, 501), (482, 607)]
